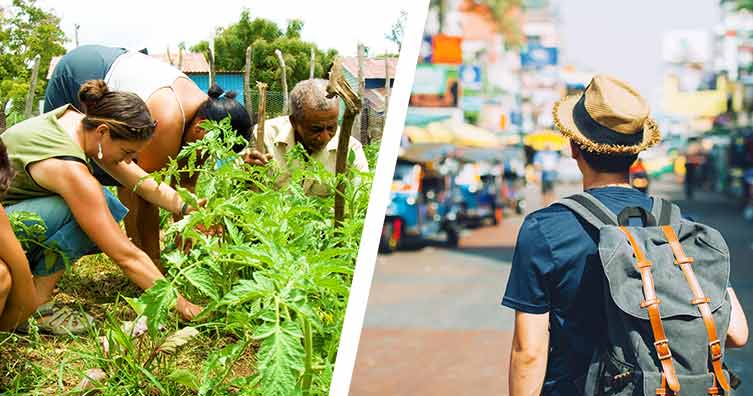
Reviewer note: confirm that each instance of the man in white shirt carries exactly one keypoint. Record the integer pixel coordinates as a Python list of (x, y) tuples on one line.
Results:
[(313, 122)]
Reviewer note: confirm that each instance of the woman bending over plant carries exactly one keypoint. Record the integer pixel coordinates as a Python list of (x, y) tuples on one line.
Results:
[(53, 157)]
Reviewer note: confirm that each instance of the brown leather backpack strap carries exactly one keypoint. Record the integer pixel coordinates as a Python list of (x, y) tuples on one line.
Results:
[(701, 302), (651, 304)]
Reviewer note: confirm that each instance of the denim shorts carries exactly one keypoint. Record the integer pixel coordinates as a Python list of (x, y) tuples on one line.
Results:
[(63, 236)]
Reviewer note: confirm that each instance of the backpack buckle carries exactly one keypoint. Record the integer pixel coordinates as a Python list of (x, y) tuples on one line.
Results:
[(684, 260), (715, 347), (653, 301), (643, 264), (662, 349)]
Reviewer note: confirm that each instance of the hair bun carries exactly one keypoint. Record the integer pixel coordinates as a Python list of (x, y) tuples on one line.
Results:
[(215, 91), (230, 94), (92, 91)]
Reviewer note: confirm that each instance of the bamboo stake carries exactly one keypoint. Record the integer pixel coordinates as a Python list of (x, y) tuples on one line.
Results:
[(262, 115), (362, 93), (248, 104), (338, 86), (387, 86), (284, 81), (312, 65)]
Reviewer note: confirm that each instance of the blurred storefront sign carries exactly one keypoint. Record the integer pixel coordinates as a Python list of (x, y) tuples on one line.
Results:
[(447, 49), (470, 78), (686, 46), (537, 56), (435, 86), (421, 116)]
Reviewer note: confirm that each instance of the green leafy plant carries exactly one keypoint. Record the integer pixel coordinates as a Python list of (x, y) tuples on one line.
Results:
[(275, 283)]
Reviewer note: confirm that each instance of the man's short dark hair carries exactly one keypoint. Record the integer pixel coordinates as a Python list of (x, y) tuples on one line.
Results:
[(608, 163)]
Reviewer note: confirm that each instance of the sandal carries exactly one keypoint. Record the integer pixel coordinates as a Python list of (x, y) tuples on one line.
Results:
[(63, 320), (58, 321)]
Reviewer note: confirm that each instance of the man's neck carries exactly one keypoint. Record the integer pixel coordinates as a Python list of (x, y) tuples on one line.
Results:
[(595, 179)]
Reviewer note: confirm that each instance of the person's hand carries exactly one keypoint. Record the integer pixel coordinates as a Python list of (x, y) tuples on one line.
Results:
[(186, 309), (254, 157), (189, 209)]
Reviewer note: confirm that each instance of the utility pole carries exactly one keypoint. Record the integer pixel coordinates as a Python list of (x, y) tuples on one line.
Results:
[(75, 33)]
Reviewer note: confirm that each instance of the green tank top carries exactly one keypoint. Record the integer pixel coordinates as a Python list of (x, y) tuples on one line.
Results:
[(34, 140)]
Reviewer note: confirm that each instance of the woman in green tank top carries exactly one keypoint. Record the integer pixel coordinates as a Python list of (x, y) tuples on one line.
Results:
[(52, 157)]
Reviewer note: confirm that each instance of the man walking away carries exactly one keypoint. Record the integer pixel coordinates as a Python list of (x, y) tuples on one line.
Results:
[(556, 284)]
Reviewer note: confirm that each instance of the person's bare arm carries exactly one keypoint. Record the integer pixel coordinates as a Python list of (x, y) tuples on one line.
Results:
[(23, 299), (161, 194), (83, 194), (529, 353), (737, 332)]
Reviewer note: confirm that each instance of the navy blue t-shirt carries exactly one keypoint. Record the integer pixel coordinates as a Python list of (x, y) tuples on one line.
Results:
[(556, 269)]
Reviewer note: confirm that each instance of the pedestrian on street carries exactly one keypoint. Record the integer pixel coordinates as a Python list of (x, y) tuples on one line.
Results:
[(556, 281), (694, 161), (546, 162)]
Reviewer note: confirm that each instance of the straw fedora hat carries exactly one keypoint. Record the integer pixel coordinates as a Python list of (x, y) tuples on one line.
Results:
[(609, 118)]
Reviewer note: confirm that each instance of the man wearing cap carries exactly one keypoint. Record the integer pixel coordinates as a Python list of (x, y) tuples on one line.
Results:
[(555, 281), (313, 123)]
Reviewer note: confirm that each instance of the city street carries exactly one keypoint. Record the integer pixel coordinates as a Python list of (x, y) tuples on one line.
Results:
[(434, 325)]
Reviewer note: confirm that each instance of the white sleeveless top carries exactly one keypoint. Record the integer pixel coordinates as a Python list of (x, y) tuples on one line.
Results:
[(142, 75)]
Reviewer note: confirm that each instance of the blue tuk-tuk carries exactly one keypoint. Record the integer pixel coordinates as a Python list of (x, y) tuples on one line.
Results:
[(421, 208)]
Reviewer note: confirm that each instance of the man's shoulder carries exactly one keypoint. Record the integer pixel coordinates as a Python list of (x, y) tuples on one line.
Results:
[(551, 214), (276, 128), (354, 143)]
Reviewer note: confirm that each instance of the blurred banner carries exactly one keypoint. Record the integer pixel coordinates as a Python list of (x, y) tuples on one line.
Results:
[(447, 49), (435, 86), (535, 56)]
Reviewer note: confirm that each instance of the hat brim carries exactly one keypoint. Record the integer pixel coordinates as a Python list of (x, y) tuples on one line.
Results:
[(564, 122)]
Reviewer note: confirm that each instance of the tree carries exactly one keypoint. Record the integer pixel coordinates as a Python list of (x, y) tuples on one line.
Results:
[(265, 36), (396, 31), (27, 30)]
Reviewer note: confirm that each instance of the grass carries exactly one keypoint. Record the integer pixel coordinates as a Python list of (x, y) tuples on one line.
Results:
[(39, 364)]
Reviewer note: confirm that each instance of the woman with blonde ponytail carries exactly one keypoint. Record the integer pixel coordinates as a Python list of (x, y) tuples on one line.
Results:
[(53, 156)]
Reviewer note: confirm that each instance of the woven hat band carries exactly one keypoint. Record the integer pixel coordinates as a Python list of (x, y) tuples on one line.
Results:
[(599, 133)]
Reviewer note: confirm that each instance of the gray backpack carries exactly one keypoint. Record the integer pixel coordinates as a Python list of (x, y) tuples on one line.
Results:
[(667, 307)]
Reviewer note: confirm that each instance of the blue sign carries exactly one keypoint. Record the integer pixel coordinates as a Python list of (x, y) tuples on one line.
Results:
[(535, 56), (426, 51), (470, 77), (516, 118), (471, 103)]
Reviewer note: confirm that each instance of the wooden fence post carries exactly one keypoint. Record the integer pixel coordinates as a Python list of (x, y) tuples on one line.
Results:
[(247, 102), (312, 64), (364, 138), (284, 79), (32, 87), (387, 85), (211, 62)]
